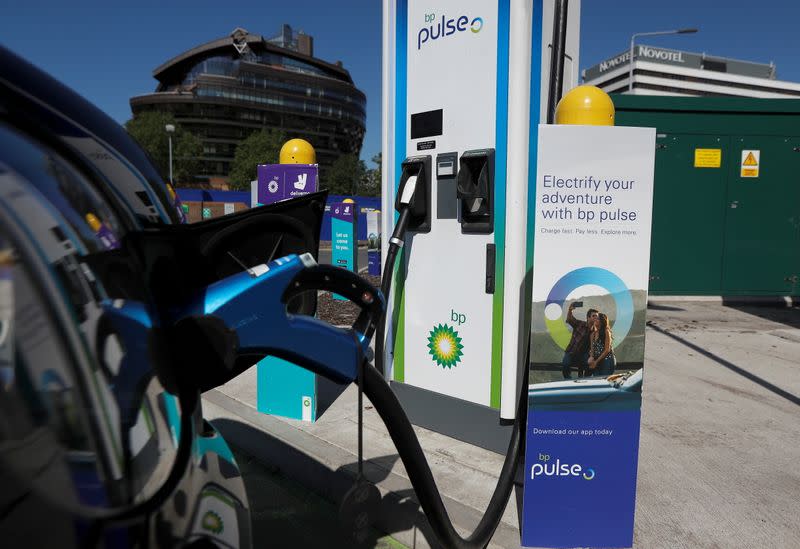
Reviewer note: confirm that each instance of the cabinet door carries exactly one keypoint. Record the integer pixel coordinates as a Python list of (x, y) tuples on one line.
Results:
[(688, 216), (762, 230)]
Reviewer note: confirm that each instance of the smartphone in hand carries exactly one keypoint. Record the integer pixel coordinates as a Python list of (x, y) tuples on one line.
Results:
[(577, 304)]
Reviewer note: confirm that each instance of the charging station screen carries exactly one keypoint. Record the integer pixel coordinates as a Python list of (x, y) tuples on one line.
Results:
[(426, 124)]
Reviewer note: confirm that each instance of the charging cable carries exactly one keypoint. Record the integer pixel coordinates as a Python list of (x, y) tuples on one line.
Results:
[(405, 439)]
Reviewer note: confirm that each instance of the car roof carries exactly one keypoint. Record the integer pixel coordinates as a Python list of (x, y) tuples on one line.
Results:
[(36, 102)]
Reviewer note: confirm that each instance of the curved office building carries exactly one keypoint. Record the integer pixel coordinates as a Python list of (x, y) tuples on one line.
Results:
[(224, 90)]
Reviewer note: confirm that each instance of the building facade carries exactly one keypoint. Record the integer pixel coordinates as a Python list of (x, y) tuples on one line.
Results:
[(224, 90), (660, 71)]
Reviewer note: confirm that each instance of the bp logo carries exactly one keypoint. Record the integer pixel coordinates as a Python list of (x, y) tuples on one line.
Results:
[(607, 281), (445, 346), (213, 522)]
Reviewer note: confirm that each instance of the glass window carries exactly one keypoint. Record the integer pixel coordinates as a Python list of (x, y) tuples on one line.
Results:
[(65, 188), (59, 419), (47, 437), (38, 382)]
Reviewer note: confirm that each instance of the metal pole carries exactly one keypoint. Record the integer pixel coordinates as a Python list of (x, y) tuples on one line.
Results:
[(657, 33), (171, 182), (630, 65), (557, 51)]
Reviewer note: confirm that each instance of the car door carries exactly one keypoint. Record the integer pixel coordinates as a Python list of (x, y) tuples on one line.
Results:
[(121, 427)]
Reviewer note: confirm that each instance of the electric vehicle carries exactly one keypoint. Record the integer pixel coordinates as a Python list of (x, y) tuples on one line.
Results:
[(74, 187), (93, 246), (91, 442), (146, 312), (101, 428)]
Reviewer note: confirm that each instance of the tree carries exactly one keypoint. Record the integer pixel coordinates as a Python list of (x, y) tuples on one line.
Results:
[(148, 129), (372, 185), (261, 147), (346, 176), (187, 152)]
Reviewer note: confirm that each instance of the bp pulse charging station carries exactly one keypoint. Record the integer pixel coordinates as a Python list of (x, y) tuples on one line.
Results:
[(465, 86)]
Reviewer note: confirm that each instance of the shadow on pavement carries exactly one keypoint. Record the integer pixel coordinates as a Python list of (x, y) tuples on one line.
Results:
[(327, 393), (794, 399), (774, 312), (396, 509), (662, 307), (300, 507)]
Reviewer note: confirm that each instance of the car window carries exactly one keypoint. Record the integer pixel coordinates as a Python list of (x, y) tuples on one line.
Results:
[(34, 361), (116, 369), (46, 434), (90, 219)]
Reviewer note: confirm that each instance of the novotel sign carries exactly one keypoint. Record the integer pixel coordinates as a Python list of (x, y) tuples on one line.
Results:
[(648, 53)]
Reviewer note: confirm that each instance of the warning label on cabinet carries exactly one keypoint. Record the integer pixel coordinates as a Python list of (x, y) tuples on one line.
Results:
[(751, 163), (707, 158)]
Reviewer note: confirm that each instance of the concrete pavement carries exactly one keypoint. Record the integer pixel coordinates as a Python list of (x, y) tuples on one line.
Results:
[(282, 510), (719, 439), (720, 435)]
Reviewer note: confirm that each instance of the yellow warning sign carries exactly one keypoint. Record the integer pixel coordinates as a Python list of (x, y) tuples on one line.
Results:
[(751, 163), (707, 158)]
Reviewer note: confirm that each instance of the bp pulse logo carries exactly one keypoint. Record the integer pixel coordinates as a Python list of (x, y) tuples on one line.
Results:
[(557, 469), (554, 311), (439, 28), (445, 346)]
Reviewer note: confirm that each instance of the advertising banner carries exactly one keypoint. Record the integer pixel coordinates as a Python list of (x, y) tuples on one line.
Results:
[(344, 246), (278, 182), (594, 193), (374, 242)]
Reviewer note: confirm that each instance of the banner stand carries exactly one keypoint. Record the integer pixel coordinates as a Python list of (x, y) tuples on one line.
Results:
[(593, 208)]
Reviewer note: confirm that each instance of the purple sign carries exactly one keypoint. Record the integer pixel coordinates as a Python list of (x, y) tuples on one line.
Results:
[(278, 182), (108, 238)]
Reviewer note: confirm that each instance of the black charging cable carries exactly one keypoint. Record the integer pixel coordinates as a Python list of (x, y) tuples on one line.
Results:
[(405, 439), (380, 394)]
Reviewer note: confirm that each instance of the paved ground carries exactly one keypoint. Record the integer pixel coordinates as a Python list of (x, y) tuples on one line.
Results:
[(287, 514), (720, 439)]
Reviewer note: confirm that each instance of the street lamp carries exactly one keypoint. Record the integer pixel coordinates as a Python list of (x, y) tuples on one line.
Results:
[(657, 33), (170, 130)]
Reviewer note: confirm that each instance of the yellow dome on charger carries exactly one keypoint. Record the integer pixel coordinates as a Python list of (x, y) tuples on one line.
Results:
[(587, 106), (297, 151)]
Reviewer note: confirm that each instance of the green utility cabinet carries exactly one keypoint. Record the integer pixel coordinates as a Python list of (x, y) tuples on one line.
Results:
[(725, 221)]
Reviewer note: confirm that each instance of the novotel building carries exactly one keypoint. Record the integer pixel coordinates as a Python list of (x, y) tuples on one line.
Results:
[(661, 71)]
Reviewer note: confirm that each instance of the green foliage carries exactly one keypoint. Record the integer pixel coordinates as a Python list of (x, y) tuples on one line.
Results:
[(372, 184), (261, 147), (187, 154), (148, 129), (346, 176)]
